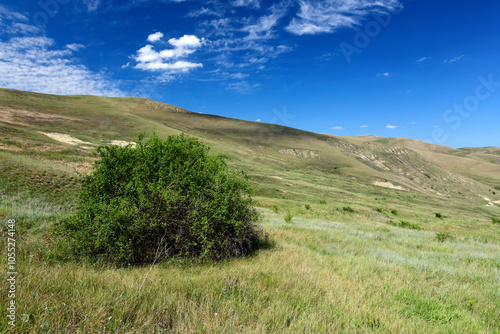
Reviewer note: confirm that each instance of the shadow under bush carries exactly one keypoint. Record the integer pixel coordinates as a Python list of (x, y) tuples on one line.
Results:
[(159, 200)]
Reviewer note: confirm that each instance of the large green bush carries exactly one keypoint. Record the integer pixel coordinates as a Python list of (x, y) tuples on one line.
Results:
[(162, 199)]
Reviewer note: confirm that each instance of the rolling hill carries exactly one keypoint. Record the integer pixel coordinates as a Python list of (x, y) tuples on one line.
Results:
[(59, 134)]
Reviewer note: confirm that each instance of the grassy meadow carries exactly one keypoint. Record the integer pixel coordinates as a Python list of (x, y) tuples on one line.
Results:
[(344, 255)]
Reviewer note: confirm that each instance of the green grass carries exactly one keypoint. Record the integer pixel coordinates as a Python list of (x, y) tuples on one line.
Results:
[(321, 276), (340, 266)]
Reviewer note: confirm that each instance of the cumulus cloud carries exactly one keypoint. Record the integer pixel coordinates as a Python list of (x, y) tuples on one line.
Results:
[(155, 37), (327, 16), (149, 59)]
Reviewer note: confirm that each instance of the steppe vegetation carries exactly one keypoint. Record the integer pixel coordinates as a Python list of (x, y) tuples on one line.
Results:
[(342, 255)]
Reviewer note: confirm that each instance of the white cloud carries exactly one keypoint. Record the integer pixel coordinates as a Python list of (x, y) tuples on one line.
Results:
[(337, 128), (238, 76), (91, 4), (453, 59), (327, 16), (155, 37), (242, 87), (246, 3), (75, 47), (203, 11), (13, 23), (32, 62), (423, 59), (259, 120), (263, 27), (363, 126), (186, 42), (388, 126), (386, 74), (149, 59), (178, 66)]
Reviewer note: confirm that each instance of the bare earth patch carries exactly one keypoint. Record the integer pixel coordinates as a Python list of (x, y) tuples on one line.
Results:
[(64, 138), (387, 184), (27, 117), (122, 143)]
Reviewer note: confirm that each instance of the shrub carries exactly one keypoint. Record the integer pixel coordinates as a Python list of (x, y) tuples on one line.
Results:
[(275, 208), (412, 226), (439, 215), (288, 217), (307, 206), (443, 236), (495, 220), (322, 201), (161, 199), (379, 210), (348, 209), (394, 212)]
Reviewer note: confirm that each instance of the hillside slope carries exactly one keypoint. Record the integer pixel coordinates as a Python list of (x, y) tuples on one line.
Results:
[(59, 134)]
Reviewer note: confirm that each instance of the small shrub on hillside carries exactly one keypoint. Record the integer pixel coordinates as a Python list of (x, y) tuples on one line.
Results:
[(288, 217), (275, 208), (161, 199), (440, 215), (394, 212), (322, 201), (443, 236), (307, 206), (379, 210), (411, 226), (348, 209), (495, 220)]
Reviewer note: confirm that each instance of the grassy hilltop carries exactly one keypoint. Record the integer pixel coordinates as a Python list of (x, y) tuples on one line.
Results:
[(386, 234)]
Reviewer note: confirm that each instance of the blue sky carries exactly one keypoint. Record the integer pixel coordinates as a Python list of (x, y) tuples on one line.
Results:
[(421, 69)]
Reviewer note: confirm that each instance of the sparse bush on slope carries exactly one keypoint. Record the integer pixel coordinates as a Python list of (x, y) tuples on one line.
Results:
[(161, 199)]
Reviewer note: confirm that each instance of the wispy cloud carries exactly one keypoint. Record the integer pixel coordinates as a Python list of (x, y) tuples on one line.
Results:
[(263, 27), (75, 47), (423, 59), (363, 126), (452, 60), (243, 87), (245, 3), (91, 4), (32, 62), (385, 74), (204, 11), (316, 16), (337, 128), (388, 126)]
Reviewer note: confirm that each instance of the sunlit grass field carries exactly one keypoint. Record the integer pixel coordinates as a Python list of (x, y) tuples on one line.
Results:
[(331, 269)]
